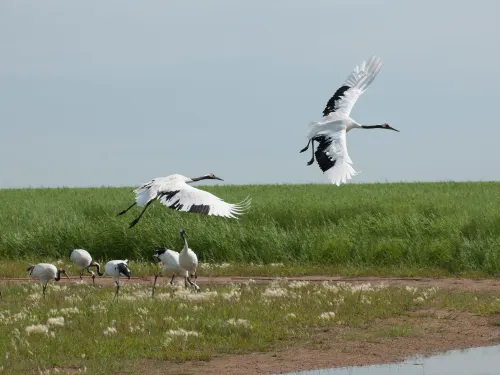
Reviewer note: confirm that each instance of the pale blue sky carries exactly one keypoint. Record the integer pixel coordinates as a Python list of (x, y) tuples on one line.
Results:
[(118, 92)]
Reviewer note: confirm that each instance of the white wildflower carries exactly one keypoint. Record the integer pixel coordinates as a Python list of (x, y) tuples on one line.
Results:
[(59, 321), (38, 328), (274, 293), (298, 284), (290, 316), (109, 331), (239, 323), (327, 315)]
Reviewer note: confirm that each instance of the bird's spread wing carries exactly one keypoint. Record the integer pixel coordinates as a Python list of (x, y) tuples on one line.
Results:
[(332, 157), (183, 197), (149, 190), (355, 84)]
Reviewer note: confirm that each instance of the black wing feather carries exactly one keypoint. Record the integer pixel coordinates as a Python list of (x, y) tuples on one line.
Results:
[(325, 161), (331, 105)]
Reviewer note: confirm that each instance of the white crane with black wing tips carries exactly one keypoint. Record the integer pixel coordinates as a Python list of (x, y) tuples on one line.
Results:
[(188, 260), (46, 272), (83, 261), (115, 269), (174, 192), (330, 132), (170, 261)]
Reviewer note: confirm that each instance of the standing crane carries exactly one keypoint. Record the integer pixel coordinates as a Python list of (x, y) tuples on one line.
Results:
[(330, 132), (188, 261), (170, 261), (115, 269), (174, 192), (83, 261), (46, 272)]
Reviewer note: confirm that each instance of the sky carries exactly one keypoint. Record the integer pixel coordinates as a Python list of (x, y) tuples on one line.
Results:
[(115, 93)]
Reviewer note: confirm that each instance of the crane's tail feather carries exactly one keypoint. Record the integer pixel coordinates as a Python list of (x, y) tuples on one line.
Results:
[(341, 172)]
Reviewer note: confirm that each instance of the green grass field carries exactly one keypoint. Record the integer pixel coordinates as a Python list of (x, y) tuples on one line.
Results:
[(453, 227)]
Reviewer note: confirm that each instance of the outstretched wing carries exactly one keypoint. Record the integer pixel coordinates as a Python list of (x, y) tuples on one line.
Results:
[(183, 197), (355, 84), (332, 157)]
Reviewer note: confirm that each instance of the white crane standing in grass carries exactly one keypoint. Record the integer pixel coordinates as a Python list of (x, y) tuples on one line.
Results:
[(330, 132), (83, 261), (188, 261), (174, 192), (46, 272), (170, 261), (115, 269)]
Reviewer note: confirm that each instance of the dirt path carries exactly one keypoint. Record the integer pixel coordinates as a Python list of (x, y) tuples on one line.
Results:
[(445, 283)]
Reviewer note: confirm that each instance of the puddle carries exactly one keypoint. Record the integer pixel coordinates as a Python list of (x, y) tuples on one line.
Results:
[(476, 361)]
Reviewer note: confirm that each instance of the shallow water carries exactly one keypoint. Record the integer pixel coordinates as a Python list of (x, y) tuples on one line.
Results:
[(476, 361)]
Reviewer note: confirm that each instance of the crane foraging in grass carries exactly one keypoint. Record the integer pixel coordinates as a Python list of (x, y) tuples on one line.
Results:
[(83, 261), (170, 261), (115, 269), (330, 132), (174, 192), (46, 272), (188, 261)]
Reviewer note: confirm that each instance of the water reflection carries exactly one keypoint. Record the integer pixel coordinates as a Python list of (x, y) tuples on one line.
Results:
[(477, 361)]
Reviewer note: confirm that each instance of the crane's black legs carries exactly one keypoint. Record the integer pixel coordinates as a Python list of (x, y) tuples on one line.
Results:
[(154, 284), (307, 146), (187, 280), (128, 208), (117, 289), (172, 279), (44, 286), (312, 148), (135, 221), (311, 142)]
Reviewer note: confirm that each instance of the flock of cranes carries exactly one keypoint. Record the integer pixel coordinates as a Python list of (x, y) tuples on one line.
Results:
[(175, 191), (183, 264)]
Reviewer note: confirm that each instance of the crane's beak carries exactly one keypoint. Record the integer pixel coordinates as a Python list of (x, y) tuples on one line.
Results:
[(388, 127), (217, 178)]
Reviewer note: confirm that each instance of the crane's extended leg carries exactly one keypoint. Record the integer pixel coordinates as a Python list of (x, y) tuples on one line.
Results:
[(135, 221), (44, 286), (154, 284), (117, 289), (196, 287), (312, 148), (128, 208), (172, 279), (305, 148)]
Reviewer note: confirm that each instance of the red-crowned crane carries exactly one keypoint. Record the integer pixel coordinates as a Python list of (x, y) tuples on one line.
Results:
[(83, 261), (174, 192), (188, 261), (170, 261), (115, 269), (330, 132), (46, 272)]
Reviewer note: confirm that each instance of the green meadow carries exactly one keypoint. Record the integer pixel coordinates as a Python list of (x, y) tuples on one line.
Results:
[(449, 227)]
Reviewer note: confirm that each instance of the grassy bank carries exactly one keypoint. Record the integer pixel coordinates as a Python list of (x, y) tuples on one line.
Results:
[(454, 227), (78, 327)]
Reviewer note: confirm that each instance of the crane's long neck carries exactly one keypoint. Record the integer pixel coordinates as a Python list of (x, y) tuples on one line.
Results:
[(372, 126), (98, 266), (58, 275), (186, 247), (206, 177)]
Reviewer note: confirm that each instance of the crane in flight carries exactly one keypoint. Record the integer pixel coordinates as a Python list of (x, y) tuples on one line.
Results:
[(174, 192), (330, 132)]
